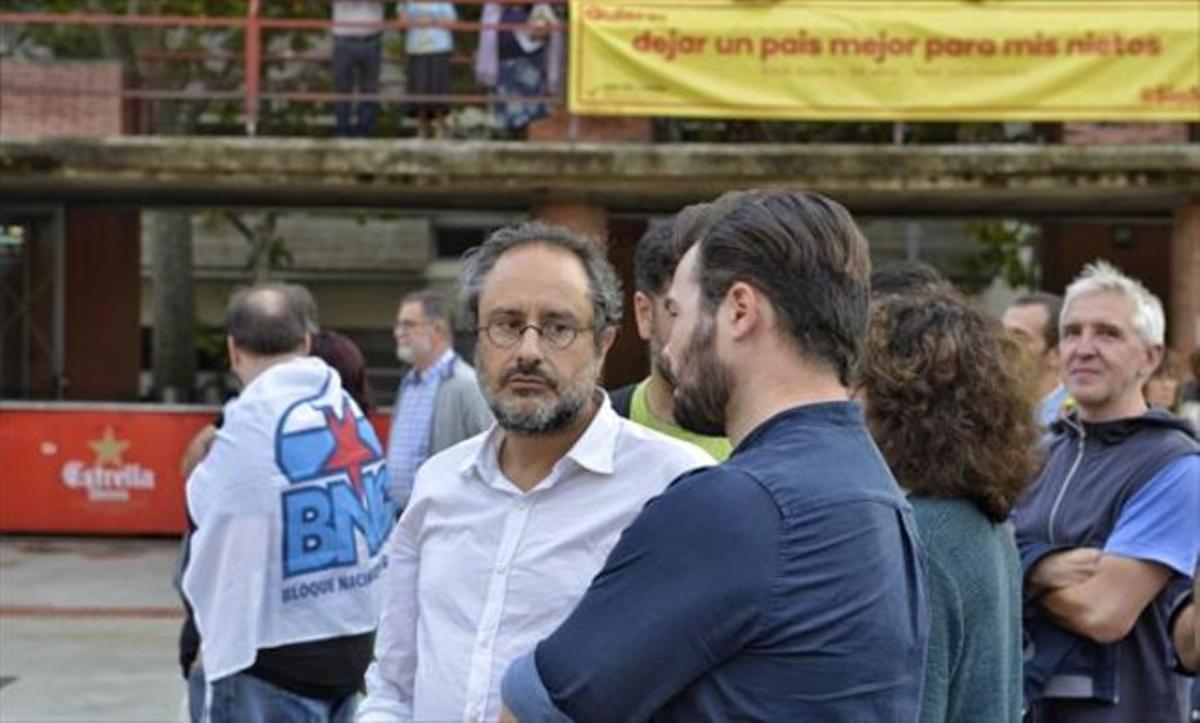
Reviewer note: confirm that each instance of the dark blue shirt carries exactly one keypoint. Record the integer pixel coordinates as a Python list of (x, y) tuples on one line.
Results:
[(785, 584)]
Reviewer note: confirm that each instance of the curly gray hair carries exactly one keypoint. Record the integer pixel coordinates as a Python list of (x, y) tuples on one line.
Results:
[(605, 287)]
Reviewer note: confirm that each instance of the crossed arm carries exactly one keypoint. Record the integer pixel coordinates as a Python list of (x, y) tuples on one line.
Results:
[(1094, 594), (1100, 594)]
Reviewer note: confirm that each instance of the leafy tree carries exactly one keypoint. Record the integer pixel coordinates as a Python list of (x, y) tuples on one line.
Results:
[(1004, 249)]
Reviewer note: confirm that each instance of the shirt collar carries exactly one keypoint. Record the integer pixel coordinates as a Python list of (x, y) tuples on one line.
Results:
[(593, 451), (441, 369), (839, 413)]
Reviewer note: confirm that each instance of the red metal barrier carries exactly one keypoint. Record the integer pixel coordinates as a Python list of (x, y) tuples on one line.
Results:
[(98, 468), (111, 469)]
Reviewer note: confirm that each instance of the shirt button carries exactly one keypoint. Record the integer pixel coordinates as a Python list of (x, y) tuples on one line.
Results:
[(501, 569), (483, 642)]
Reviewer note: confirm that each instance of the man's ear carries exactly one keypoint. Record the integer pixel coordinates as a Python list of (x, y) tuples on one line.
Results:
[(308, 344), (643, 313), (1154, 357), (606, 339), (743, 308), (232, 350), (444, 331)]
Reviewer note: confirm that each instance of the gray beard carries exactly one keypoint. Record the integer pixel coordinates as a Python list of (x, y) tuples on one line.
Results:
[(538, 421), (544, 418)]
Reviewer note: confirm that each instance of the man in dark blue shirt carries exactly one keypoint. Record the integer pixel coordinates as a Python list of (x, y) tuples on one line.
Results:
[(785, 584)]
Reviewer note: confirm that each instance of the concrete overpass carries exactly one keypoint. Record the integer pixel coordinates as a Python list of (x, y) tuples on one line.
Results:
[(596, 186), (960, 180)]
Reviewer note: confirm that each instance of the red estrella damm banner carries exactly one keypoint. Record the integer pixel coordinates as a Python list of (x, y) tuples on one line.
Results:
[(98, 468), (1036, 60)]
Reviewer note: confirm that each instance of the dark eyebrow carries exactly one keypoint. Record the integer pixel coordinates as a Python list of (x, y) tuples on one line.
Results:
[(502, 313), (559, 316)]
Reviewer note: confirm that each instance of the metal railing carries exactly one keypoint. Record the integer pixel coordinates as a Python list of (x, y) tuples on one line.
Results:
[(273, 76), (252, 86)]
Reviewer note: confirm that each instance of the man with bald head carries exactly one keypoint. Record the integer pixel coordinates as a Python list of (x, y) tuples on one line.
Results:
[(289, 511)]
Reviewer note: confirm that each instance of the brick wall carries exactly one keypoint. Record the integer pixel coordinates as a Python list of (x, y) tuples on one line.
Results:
[(60, 99), (1109, 134)]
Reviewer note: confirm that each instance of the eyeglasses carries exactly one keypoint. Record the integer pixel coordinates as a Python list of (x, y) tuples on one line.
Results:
[(557, 335)]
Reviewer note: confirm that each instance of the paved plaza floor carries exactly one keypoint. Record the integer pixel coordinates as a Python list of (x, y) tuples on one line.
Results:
[(88, 630)]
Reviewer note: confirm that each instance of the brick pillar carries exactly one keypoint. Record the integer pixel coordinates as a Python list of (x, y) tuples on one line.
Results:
[(103, 343), (628, 360), (581, 217), (1184, 315)]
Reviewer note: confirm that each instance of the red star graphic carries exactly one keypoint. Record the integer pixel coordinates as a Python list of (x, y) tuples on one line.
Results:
[(349, 452)]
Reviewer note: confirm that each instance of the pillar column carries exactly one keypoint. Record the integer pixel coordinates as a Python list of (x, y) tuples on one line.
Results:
[(1183, 318), (581, 217)]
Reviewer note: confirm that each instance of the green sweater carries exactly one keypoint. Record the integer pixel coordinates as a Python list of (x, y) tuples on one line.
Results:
[(639, 411), (973, 575)]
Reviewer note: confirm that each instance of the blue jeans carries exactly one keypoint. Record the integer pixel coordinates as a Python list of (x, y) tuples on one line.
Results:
[(356, 65), (195, 693), (242, 698)]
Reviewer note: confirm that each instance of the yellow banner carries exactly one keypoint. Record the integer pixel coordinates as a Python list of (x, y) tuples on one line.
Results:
[(996, 60)]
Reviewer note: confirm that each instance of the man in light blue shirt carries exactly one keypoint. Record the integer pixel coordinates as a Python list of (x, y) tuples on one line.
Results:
[(438, 403)]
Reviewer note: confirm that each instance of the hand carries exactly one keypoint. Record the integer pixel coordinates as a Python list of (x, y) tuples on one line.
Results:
[(1063, 569), (506, 715), (197, 449)]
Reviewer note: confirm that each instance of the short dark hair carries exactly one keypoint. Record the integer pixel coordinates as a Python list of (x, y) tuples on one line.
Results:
[(806, 254), (604, 286), (267, 319), (1053, 304), (946, 400), (655, 258), (905, 277), (434, 304)]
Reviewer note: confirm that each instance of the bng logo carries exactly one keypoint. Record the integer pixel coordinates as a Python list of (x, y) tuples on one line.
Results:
[(339, 485)]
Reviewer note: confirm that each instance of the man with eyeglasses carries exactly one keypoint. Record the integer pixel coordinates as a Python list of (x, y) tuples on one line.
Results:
[(786, 583), (504, 532), (438, 403)]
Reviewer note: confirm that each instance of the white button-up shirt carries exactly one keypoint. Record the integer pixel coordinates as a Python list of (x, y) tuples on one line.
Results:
[(479, 571)]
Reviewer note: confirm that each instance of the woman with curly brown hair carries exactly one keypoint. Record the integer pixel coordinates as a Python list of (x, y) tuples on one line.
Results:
[(948, 406)]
